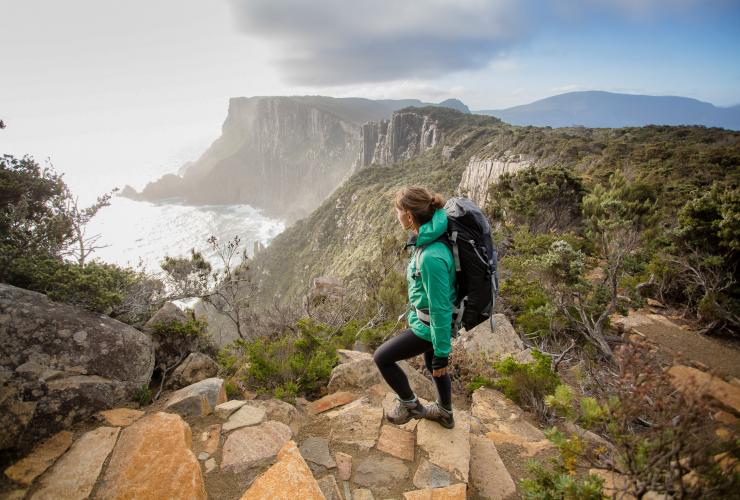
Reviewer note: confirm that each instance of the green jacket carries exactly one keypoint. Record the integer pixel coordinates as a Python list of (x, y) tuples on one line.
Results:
[(435, 288)]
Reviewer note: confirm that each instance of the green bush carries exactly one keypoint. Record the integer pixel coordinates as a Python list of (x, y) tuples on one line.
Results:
[(143, 395), (527, 383)]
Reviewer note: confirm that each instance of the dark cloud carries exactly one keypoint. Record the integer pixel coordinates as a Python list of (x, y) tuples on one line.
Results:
[(337, 42)]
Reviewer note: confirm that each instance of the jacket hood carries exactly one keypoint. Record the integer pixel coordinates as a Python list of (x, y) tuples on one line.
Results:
[(433, 229)]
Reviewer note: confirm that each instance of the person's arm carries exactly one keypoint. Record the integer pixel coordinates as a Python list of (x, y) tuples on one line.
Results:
[(435, 278)]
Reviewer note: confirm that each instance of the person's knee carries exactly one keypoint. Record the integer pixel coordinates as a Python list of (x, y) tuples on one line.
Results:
[(379, 357)]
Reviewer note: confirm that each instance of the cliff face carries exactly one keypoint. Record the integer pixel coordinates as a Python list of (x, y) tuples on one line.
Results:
[(287, 154), (482, 172), (406, 135)]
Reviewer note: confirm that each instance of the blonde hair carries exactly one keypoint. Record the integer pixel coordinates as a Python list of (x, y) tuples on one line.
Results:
[(420, 202)]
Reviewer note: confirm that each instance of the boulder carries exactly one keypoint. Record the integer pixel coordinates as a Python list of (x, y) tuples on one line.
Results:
[(251, 446), (447, 448), (380, 473), (167, 314), (74, 475), (246, 415), (120, 417), (359, 375), (196, 367), (153, 460), (41, 458), (355, 424), (60, 364), (198, 399), (346, 355), (280, 411), (224, 410), (481, 341), (288, 478), (689, 379)]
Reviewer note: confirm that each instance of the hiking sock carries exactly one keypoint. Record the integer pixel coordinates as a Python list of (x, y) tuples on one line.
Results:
[(409, 401)]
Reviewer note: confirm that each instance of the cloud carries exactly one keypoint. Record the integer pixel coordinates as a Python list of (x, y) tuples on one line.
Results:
[(333, 42)]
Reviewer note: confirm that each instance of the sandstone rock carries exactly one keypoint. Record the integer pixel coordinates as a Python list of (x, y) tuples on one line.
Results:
[(396, 442), (41, 458), (280, 411), (500, 414), (357, 376), (362, 494), (168, 313), (344, 465), (454, 492), (245, 416), (488, 475), (198, 399), (380, 473), (74, 475), (251, 446), (224, 410), (429, 475), (346, 355), (288, 477), (528, 447), (615, 485), (330, 488), (62, 364), (355, 424), (406, 135), (196, 367), (316, 449), (690, 379), (447, 448), (121, 417), (482, 172), (209, 440), (491, 345), (153, 460), (330, 401)]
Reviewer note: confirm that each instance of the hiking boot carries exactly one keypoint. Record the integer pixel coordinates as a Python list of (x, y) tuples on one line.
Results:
[(434, 411), (404, 411)]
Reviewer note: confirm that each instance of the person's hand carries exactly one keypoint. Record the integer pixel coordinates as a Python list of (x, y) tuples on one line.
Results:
[(439, 372)]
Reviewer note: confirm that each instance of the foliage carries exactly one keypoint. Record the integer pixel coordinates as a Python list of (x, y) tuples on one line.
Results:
[(527, 383), (143, 395), (174, 340)]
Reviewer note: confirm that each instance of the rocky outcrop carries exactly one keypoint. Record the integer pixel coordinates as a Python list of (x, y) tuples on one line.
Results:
[(60, 364), (406, 135), (198, 399), (482, 172), (196, 367)]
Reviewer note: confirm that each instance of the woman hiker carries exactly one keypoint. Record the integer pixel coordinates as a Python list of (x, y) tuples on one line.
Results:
[(431, 291)]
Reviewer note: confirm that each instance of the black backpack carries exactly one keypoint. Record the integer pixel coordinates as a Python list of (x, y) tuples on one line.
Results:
[(476, 264)]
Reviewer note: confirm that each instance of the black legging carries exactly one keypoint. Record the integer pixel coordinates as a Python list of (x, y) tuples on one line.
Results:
[(403, 346)]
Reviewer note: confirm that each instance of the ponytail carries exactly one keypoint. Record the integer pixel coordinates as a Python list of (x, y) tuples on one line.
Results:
[(420, 202)]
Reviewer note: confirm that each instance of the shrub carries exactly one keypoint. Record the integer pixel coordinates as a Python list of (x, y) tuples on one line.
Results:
[(143, 395), (527, 383)]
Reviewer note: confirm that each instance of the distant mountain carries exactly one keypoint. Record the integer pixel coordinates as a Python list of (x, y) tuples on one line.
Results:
[(281, 154), (606, 109)]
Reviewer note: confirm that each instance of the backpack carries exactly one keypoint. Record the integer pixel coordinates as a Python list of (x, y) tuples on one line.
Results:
[(476, 264)]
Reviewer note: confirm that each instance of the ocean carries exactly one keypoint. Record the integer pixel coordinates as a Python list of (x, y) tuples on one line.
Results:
[(137, 230)]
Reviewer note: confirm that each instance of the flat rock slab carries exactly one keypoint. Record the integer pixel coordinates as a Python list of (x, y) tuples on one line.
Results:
[(246, 415), (224, 410), (330, 488), (198, 399), (528, 448), (500, 414), (428, 475), (380, 473), (447, 448), (316, 449), (690, 379), (344, 465), (209, 440), (153, 460), (330, 401), (280, 411), (396, 442), (74, 475), (454, 492), (288, 478), (355, 424), (121, 417), (251, 446), (41, 458), (488, 474)]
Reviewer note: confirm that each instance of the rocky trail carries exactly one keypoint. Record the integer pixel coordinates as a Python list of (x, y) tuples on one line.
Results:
[(194, 443)]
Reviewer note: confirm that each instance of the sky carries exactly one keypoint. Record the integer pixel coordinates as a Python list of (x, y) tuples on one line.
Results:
[(122, 92)]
